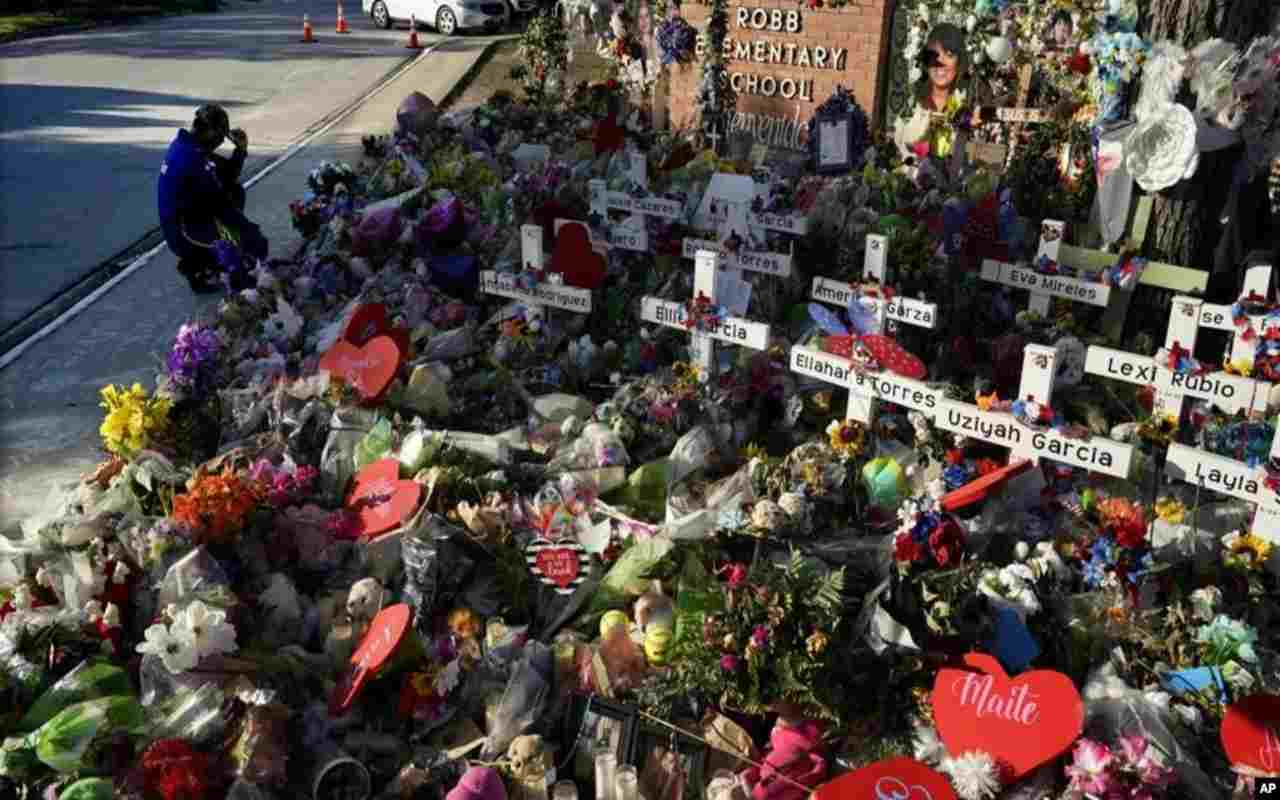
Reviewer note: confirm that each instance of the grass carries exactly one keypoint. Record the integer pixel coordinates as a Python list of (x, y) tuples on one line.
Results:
[(493, 73), (21, 24)]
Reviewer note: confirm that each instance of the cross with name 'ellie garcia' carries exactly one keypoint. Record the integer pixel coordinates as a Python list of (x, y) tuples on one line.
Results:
[(706, 331), (865, 388)]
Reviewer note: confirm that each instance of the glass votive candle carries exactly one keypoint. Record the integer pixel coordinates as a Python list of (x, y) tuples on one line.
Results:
[(626, 783), (606, 767), (564, 790)]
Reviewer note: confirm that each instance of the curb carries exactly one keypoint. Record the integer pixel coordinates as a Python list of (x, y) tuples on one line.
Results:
[(62, 30)]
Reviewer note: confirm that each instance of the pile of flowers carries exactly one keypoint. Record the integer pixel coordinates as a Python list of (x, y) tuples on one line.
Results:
[(134, 419), (1129, 771)]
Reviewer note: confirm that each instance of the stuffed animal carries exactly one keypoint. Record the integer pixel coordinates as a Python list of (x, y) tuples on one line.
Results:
[(793, 753)]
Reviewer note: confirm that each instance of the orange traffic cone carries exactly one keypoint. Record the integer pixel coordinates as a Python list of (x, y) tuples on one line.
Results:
[(413, 43), (342, 21), (307, 37)]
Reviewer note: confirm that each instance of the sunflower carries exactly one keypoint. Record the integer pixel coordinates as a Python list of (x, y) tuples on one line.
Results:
[(1246, 552)]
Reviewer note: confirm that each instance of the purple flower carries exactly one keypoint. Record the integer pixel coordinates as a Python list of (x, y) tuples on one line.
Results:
[(760, 637), (193, 361), (729, 662)]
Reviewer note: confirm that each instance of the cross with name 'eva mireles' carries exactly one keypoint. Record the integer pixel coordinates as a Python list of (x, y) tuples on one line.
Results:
[(1045, 287), (1003, 429), (866, 387), (549, 290), (731, 330)]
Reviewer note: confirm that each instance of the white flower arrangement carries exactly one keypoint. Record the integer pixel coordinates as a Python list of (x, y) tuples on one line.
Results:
[(1161, 151), (197, 631)]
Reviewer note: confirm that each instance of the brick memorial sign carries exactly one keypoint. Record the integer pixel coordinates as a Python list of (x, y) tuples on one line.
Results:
[(784, 60)]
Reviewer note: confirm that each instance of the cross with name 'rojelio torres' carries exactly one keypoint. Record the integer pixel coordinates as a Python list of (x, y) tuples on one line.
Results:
[(1001, 428), (865, 387), (549, 291), (1043, 287), (731, 330)]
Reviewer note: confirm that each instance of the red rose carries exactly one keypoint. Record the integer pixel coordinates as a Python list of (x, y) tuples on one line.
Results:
[(1079, 63), (947, 543), (906, 549)]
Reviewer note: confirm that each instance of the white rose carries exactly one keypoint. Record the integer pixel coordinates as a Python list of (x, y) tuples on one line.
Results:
[(999, 49), (1161, 150), (970, 23), (916, 74)]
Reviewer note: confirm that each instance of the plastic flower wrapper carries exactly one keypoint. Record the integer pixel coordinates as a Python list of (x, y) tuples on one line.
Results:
[(525, 700), (88, 680), (347, 428), (197, 714), (79, 737), (596, 447)]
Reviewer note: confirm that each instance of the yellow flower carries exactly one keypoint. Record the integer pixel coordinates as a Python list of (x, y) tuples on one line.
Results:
[(847, 437), (1171, 510), (132, 419), (1239, 366), (1249, 551)]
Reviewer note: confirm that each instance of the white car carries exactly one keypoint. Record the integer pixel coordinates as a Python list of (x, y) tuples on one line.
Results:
[(446, 16)]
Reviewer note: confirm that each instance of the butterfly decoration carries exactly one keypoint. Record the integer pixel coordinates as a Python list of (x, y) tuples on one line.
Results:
[(838, 339)]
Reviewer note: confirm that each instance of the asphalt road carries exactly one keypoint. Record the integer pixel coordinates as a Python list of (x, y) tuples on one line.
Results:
[(85, 119)]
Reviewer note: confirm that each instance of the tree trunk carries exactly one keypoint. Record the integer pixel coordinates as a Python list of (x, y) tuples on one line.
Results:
[(1184, 229)]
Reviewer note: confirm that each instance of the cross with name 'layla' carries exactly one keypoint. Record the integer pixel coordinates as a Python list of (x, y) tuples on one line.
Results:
[(535, 292), (702, 317), (1001, 428), (866, 387)]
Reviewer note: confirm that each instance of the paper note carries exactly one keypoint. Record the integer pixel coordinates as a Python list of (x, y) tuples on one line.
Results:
[(833, 143)]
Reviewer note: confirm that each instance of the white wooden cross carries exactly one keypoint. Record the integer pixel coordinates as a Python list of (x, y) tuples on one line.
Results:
[(1039, 365), (1229, 392), (865, 388), (726, 205), (1233, 478), (551, 291), (733, 330), (631, 234), (1044, 288), (1257, 280)]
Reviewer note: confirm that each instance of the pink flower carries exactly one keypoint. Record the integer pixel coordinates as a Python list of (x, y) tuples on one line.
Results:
[(729, 662), (760, 637), (921, 148), (1133, 748), (737, 575), (1090, 770)]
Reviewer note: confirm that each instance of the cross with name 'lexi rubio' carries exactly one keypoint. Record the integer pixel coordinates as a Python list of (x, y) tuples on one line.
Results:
[(866, 388), (705, 332)]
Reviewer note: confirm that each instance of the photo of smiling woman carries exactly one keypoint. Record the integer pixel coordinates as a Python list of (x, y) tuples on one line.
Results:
[(942, 88)]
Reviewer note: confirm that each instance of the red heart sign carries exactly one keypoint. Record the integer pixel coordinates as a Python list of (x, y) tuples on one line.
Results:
[(1021, 722), (573, 257), (1251, 733), (386, 631), (380, 499), (563, 565), (893, 358), (370, 320), (892, 779), (978, 490), (370, 369)]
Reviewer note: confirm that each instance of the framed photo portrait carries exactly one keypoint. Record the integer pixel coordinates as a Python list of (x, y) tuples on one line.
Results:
[(671, 766), (591, 727), (835, 134)]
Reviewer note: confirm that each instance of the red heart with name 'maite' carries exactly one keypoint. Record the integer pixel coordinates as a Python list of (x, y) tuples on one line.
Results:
[(563, 565), (573, 257), (1251, 733), (893, 357), (1021, 722), (369, 321), (380, 499), (891, 779), (370, 369)]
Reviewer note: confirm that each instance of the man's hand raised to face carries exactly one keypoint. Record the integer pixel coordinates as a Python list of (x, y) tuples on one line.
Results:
[(239, 138)]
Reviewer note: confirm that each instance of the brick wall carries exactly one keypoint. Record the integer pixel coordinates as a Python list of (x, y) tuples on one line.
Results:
[(854, 37)]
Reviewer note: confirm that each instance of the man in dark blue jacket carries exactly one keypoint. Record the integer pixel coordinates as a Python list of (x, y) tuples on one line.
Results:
[(199, 189)]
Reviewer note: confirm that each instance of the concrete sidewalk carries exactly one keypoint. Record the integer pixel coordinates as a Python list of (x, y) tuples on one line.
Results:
[(49, 414)]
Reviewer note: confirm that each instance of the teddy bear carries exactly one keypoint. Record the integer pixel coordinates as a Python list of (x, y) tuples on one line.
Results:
[(793, 753)]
